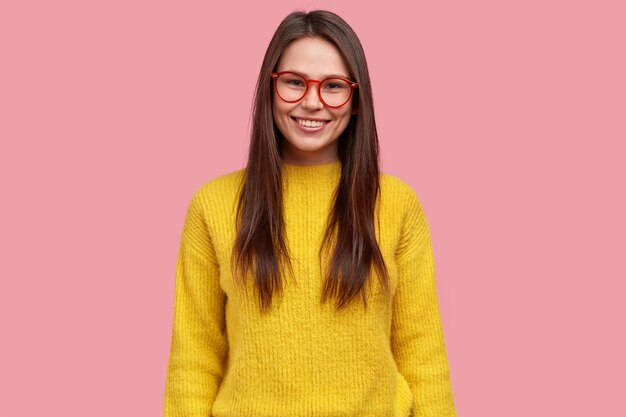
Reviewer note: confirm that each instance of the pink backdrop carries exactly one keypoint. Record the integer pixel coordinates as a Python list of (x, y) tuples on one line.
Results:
[(507, 119)]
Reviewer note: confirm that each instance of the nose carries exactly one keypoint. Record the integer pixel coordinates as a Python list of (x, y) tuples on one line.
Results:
[(311, 100)]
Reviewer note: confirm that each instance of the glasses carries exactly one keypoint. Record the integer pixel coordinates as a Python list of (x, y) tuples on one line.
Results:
[(333, 91)]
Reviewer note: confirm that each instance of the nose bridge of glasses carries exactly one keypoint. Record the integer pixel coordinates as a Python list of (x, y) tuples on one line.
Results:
[(313, 89)]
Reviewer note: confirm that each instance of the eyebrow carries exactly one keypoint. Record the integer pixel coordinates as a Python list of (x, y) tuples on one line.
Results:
[(305, 75)]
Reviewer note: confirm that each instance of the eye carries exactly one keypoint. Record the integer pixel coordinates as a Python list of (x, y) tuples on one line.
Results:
[(292, 81), (335, 85)]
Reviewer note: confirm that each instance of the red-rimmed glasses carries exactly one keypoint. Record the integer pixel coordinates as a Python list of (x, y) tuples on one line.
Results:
[(333, 91)]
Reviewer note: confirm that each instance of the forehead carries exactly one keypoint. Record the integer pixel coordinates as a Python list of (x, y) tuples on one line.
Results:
[(313, 57)]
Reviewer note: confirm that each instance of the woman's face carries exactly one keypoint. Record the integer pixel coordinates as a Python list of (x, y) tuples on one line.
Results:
[(315, 58)]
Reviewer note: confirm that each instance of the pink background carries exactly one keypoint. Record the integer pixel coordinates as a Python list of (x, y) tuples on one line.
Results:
[(508, 119)]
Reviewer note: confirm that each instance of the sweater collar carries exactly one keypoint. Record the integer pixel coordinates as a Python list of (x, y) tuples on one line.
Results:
[(326, 172)]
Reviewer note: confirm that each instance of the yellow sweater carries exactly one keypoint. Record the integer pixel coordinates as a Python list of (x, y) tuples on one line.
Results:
[(305, 358)]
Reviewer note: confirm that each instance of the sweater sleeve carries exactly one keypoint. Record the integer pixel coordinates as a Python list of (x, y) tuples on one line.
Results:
[(199, 346), (417, 334)]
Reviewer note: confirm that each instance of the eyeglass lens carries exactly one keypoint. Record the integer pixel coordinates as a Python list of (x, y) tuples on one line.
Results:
[(334, 91)]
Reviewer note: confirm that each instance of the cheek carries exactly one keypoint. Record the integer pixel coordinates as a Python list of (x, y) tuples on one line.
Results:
[(343, 119), (279, 111)]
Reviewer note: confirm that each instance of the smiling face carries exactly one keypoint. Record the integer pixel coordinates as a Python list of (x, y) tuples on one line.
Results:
[(315, 58)]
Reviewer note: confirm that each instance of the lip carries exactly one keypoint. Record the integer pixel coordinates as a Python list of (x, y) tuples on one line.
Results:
[(310, 129), (316, 119)]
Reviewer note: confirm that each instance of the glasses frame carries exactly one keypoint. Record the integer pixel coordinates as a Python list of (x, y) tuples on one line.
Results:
[(353, 85)]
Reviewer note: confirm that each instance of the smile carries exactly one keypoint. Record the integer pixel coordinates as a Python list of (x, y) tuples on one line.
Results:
[(310, 123)]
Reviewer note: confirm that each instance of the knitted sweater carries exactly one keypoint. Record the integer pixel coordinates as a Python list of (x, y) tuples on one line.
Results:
[(304, 358)]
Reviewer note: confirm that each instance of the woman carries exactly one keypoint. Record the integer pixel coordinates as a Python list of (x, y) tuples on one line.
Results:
[(305, 282)]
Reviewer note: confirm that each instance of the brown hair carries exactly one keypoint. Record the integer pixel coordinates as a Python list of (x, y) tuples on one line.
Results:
[(260, 239)]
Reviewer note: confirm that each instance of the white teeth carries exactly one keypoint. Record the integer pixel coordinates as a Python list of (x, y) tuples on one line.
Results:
[(310, 123)]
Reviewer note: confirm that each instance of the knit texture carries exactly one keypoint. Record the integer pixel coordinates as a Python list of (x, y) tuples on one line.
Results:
[(305, 358)]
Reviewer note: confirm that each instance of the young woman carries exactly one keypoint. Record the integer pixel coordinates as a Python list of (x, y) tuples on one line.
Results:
[(305, 282)]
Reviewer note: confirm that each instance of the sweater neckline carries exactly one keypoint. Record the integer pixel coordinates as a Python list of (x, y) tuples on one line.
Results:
[(318, 172)]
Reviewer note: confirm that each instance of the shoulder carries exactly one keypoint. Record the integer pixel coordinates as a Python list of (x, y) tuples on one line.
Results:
[(398, 193), (225, 185), (218, 194), (404, 203)]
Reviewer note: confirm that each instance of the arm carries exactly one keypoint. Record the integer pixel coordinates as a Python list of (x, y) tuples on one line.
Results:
[(417, 334), (199, 345)]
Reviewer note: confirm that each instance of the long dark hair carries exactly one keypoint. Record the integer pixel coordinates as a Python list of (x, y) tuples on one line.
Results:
[(260, 242)]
